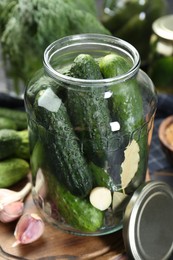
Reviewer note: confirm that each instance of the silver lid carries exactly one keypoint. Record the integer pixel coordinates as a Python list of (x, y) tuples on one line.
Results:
[(148, 222), (163, 27)]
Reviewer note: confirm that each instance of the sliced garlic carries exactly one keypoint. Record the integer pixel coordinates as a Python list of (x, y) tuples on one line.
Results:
[(29, 228), (101, 198)]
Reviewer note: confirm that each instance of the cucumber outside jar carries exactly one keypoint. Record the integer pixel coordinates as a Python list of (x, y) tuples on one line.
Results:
[(90, 116), (161, 54)]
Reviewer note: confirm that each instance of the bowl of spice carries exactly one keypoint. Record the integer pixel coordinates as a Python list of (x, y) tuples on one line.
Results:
[(166, 137)]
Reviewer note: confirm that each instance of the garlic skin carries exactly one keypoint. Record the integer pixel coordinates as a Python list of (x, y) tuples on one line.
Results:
[(11, 212), (29, 228), (11, 204)]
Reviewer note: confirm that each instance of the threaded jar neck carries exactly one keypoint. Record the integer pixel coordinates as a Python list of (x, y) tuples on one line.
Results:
[(65, 49)]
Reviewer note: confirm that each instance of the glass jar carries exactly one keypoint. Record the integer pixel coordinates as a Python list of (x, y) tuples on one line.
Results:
[(132, 21), (161, 54), (89, 137)]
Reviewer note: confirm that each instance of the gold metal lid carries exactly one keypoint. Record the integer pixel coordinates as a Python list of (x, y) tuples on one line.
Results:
[(163, 27), (148, 222)]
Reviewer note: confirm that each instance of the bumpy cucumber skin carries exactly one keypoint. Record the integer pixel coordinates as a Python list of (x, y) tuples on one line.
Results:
[(127, 100), (102, 178), (93, 129), (69, 166), (77, 212), (127, 106), (19, 117), (88, 110), (85, 67), (12, 171), (23, 150), (113, 65), (9, 142)]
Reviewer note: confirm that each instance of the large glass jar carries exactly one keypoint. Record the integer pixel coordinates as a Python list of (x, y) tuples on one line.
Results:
[(132, 21), (89, 135), (161, 54)]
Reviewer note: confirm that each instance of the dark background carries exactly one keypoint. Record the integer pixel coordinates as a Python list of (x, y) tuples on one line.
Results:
[(169, 3), (170, 6)]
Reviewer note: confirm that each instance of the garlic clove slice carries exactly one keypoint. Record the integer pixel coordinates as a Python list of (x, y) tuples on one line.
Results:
[(29, 228)]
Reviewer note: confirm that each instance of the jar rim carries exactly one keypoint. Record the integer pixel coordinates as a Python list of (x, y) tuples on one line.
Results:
[(91, 38), (163, 27)]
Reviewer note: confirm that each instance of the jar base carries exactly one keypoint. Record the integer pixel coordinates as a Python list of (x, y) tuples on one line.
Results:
[(44, 211)]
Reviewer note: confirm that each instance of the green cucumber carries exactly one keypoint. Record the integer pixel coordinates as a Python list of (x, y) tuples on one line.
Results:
[(23, 150), (19, 117), (63, 150), (77, 212), (6, 123), (37, 158), (12, 171), (85, 67), (9, 142), (127, 107), (101, 178), (14, 144), (88, 110), (127, 99)]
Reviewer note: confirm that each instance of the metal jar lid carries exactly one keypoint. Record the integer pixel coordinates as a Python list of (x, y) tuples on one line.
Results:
[(148, 222), (163, 27)]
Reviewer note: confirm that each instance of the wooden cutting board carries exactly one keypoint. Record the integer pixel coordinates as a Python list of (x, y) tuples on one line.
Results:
[(55, 244)]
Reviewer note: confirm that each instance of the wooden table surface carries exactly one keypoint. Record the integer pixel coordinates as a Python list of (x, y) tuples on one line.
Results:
[(55, 244)]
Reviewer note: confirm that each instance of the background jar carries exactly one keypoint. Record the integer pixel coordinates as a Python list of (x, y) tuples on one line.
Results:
[(161, 54), (87, 133), (131, 20)]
